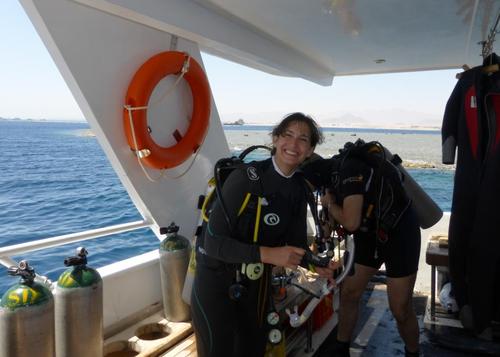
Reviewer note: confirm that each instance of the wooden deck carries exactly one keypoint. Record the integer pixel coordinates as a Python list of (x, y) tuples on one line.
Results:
[(376, 334)]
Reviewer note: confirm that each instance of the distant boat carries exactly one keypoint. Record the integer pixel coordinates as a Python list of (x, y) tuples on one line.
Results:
[(237, 122)]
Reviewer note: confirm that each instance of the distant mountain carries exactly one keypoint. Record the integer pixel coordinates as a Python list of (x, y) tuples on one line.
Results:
[(384, 119), (346, 120), (362, 118), (23, 119), (44, 120), (11, 119)]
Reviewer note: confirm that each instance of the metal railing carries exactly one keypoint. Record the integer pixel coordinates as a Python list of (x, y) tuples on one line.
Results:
[(6, 252)]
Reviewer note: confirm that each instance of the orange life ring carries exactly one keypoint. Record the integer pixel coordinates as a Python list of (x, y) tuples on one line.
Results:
[(138, 93)]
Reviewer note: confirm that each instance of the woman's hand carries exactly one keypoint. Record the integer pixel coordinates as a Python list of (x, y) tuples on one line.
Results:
[(327, 198), (327, 272), (326, 218), (287, 256)]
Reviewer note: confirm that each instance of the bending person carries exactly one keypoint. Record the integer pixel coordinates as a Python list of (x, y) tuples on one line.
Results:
[(347, 201), (266, 206)]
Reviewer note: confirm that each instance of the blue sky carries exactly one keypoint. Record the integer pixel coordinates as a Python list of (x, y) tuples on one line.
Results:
[(31, 87)]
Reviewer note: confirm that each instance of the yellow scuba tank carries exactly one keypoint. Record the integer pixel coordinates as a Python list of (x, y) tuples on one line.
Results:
[(78, 309), (26, 316), (203, 202), (174, 259)]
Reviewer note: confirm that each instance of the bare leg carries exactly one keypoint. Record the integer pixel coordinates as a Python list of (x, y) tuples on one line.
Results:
[(400, 292), (351, 290)]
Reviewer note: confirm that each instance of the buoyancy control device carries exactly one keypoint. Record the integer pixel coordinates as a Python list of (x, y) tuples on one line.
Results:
[(223, 168), (392, 190)]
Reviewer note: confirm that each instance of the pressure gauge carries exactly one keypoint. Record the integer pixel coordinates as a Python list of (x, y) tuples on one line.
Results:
[(273, 318), (254, 270), (275, 336)]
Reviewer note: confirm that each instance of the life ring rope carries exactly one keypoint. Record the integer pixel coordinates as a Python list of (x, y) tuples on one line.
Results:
[(138, 154), (145, 152)]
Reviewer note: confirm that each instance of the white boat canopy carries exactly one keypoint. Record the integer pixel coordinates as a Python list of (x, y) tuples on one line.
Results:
[(319, 39)]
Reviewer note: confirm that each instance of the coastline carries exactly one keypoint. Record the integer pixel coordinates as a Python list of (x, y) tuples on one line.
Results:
[(410, 128), (43, 120), (257, 125)]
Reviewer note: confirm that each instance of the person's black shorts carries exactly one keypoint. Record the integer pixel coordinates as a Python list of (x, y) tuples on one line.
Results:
[(400, 253)]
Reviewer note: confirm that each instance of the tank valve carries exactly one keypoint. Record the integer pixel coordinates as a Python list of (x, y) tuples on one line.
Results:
[(172, 228), (24, 270), (79, 259)]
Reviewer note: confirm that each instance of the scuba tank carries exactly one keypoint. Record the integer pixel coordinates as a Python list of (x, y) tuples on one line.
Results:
[(174, 259), (203, 206), (26, 316), (78, 309), (428, 212), (189, 280)]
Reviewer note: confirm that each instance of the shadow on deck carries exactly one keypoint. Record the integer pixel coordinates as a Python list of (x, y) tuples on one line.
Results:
[(376, 333)]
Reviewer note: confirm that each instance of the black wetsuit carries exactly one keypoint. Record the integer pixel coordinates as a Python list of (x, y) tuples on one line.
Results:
[(223, 326), (472, 124), (401, 251)]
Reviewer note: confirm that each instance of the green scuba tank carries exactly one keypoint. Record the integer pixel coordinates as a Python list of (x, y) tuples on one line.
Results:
[(174, 260), (26, 316), (78, 309)]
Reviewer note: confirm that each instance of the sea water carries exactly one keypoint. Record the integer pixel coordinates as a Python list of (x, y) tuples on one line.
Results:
[(55, 180)]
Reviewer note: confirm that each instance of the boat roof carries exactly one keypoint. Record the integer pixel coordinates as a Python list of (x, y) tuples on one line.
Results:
[(319, 39)]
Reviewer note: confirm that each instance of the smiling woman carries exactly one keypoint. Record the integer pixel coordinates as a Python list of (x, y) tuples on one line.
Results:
[(294, 140), (267, 202)]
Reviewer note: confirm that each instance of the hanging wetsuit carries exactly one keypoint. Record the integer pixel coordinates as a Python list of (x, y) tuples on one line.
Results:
[(472, 125), (225, 327)]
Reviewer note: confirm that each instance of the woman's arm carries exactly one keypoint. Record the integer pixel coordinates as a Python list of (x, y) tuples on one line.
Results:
[(349, 214), (287, 256)]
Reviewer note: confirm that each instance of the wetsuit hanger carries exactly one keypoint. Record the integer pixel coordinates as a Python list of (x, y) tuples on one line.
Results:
[(491, 61), (491, 64)]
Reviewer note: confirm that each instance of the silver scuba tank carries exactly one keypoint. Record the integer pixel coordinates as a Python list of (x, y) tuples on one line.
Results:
[(26, 316), (174, 259), (428, 212), (78, 309)]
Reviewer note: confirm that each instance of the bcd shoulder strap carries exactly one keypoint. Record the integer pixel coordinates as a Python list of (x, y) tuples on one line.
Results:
[(224, 167)]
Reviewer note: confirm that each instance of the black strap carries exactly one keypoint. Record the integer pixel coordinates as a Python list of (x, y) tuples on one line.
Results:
[(256, 186), (313, 206)]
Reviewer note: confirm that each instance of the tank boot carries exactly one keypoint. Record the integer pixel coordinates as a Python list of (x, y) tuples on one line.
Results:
[(411, 354)]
